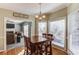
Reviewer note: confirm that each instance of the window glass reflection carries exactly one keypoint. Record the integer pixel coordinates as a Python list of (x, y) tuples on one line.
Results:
[(57, 28)]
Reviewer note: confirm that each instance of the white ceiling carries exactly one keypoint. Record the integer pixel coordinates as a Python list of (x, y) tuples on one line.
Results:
[(33, 8)]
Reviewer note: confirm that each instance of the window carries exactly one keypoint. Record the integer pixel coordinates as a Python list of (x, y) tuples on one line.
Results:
[(26, 30), (57, 28), (73, 24), (42, 26)]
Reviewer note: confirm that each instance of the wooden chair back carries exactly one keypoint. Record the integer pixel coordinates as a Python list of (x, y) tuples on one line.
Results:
[(27, 44)]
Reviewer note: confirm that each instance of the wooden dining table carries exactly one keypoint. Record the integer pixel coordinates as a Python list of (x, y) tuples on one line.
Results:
[(39, 42), (37, 39)]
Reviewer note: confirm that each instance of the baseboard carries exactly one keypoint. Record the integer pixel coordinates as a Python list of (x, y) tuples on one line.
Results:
[(70, 52), (2, 50), (60, 48)]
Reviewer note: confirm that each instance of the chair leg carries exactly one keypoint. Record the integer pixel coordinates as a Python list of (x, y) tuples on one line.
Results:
[(50, 48)]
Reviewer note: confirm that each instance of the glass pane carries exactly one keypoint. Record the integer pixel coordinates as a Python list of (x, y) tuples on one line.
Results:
[(26, 30), (41, 28), (57, 28), (74, 32)]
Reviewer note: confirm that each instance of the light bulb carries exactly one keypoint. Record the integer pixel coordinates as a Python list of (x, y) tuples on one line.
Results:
[(44, 16), (36, 16)]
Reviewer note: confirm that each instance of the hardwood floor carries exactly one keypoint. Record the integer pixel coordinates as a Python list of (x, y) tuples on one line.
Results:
[(11, 51), (16, 51), (56, 51)]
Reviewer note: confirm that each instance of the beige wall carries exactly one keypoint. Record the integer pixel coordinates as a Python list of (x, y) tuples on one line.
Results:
[(9, 14), (73, 7), (58, 14)]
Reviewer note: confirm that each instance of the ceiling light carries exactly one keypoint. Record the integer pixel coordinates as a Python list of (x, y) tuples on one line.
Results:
[(36, 16), (43, 16), (40, 16)]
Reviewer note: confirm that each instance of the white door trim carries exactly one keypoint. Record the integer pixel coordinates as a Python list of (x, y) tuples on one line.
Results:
[(5, 20)]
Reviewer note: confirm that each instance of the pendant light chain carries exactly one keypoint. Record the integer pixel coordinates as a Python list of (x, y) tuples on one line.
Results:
[(40, 9), (40, 16)]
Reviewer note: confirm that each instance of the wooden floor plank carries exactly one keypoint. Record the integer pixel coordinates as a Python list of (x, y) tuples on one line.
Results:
[(18, 50)]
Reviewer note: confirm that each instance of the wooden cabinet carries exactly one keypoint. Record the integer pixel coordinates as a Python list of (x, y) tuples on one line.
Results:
[(10, 37)]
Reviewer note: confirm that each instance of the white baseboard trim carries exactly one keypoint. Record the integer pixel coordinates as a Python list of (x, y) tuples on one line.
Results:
[(70, 52)]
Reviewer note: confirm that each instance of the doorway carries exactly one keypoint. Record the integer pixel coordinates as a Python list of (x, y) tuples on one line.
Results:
[(13, 27)]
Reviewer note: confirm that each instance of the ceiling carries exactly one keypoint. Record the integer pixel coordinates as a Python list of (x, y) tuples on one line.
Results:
[(33, 8)]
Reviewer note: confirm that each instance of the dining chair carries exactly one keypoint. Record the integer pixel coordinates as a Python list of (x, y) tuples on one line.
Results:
[(29, 47), (45, 48), (48, 45), (48, 48)]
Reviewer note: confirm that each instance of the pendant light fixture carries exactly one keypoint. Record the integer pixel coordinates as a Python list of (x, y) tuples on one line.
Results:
[(40, 15)]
